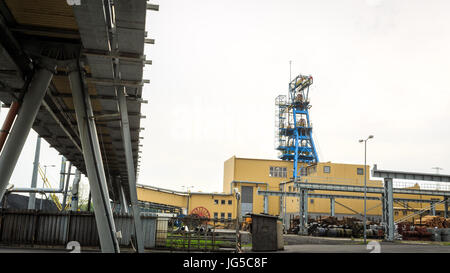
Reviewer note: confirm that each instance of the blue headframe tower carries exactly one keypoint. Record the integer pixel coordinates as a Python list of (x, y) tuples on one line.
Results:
[(293, 127)]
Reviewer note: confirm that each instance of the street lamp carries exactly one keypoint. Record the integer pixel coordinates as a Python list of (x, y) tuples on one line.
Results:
[(365, 183), (188, 197)]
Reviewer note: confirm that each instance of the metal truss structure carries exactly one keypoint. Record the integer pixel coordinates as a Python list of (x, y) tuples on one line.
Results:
[(293, 126)]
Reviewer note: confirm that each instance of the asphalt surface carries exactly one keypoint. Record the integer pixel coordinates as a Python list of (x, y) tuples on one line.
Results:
[(383, 248)]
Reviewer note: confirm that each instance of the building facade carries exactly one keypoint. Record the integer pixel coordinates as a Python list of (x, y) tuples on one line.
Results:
[(248, 176)]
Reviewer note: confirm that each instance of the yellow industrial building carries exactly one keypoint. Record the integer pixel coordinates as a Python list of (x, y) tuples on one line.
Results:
[(250, 175)]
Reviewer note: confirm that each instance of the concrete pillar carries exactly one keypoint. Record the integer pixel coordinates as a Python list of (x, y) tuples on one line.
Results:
[(75, 186), (22, 125), (131, 171), (389, 197), (94, 163), (32, 199), (332, 206)]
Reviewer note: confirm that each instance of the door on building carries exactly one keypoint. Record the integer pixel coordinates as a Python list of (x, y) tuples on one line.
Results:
[(246, 200)]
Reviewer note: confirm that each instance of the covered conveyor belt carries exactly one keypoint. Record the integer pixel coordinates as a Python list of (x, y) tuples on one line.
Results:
[(87, 60)]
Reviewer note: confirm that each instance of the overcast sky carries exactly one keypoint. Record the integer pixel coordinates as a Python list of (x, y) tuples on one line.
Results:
[(379, 67)]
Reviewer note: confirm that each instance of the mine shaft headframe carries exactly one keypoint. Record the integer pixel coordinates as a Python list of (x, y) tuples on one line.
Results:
[(299, 88)]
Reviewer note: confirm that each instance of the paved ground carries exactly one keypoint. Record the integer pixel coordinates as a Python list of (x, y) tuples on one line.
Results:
[(311, 244), (383, 248)]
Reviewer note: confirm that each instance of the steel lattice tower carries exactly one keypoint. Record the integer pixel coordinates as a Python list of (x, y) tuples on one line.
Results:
[(293, 127)]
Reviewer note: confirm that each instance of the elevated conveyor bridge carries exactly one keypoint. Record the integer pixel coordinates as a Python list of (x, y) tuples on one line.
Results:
[(73, 72)]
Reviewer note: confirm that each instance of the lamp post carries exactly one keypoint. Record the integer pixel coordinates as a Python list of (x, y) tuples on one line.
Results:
[(365, 184), (188, 197)]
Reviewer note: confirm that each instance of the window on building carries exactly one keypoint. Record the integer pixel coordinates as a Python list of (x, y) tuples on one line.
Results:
[(405, 213), (222, 215), (311, 170), (396, 213), (230, 202), (216, 215), (360, 171), (277, 171), (229, 216), (290, 188), (216, 202), (311, 201), (303, 172), (222, 202), (326, 169)]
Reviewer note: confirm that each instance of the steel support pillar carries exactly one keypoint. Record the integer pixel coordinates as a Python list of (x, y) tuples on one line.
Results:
[(75, 186), (446, 207), (433, 208), (383, 211), (66, 187), (123, 201), (303, 212), (389, 203), (62, 175), (94, 163), (332, 206), (131, 171), (32, 199), (266, 203), (23, 123), (2, 194)]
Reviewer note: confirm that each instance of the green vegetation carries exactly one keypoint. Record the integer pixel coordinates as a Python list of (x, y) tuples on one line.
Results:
[(180, 241)]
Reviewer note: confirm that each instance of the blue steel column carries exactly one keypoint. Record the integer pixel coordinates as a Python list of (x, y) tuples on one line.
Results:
[(32, 199), (130, 168), (23, 123), (94, 163), (389, 201)]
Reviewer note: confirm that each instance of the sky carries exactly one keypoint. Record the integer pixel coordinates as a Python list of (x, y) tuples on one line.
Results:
[(380, 68)]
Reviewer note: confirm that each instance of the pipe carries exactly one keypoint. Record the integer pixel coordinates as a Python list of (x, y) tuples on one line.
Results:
[(8, 122), (35, 190)]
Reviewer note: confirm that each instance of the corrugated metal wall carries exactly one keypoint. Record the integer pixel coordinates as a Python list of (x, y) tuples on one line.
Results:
[(58, 228)]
